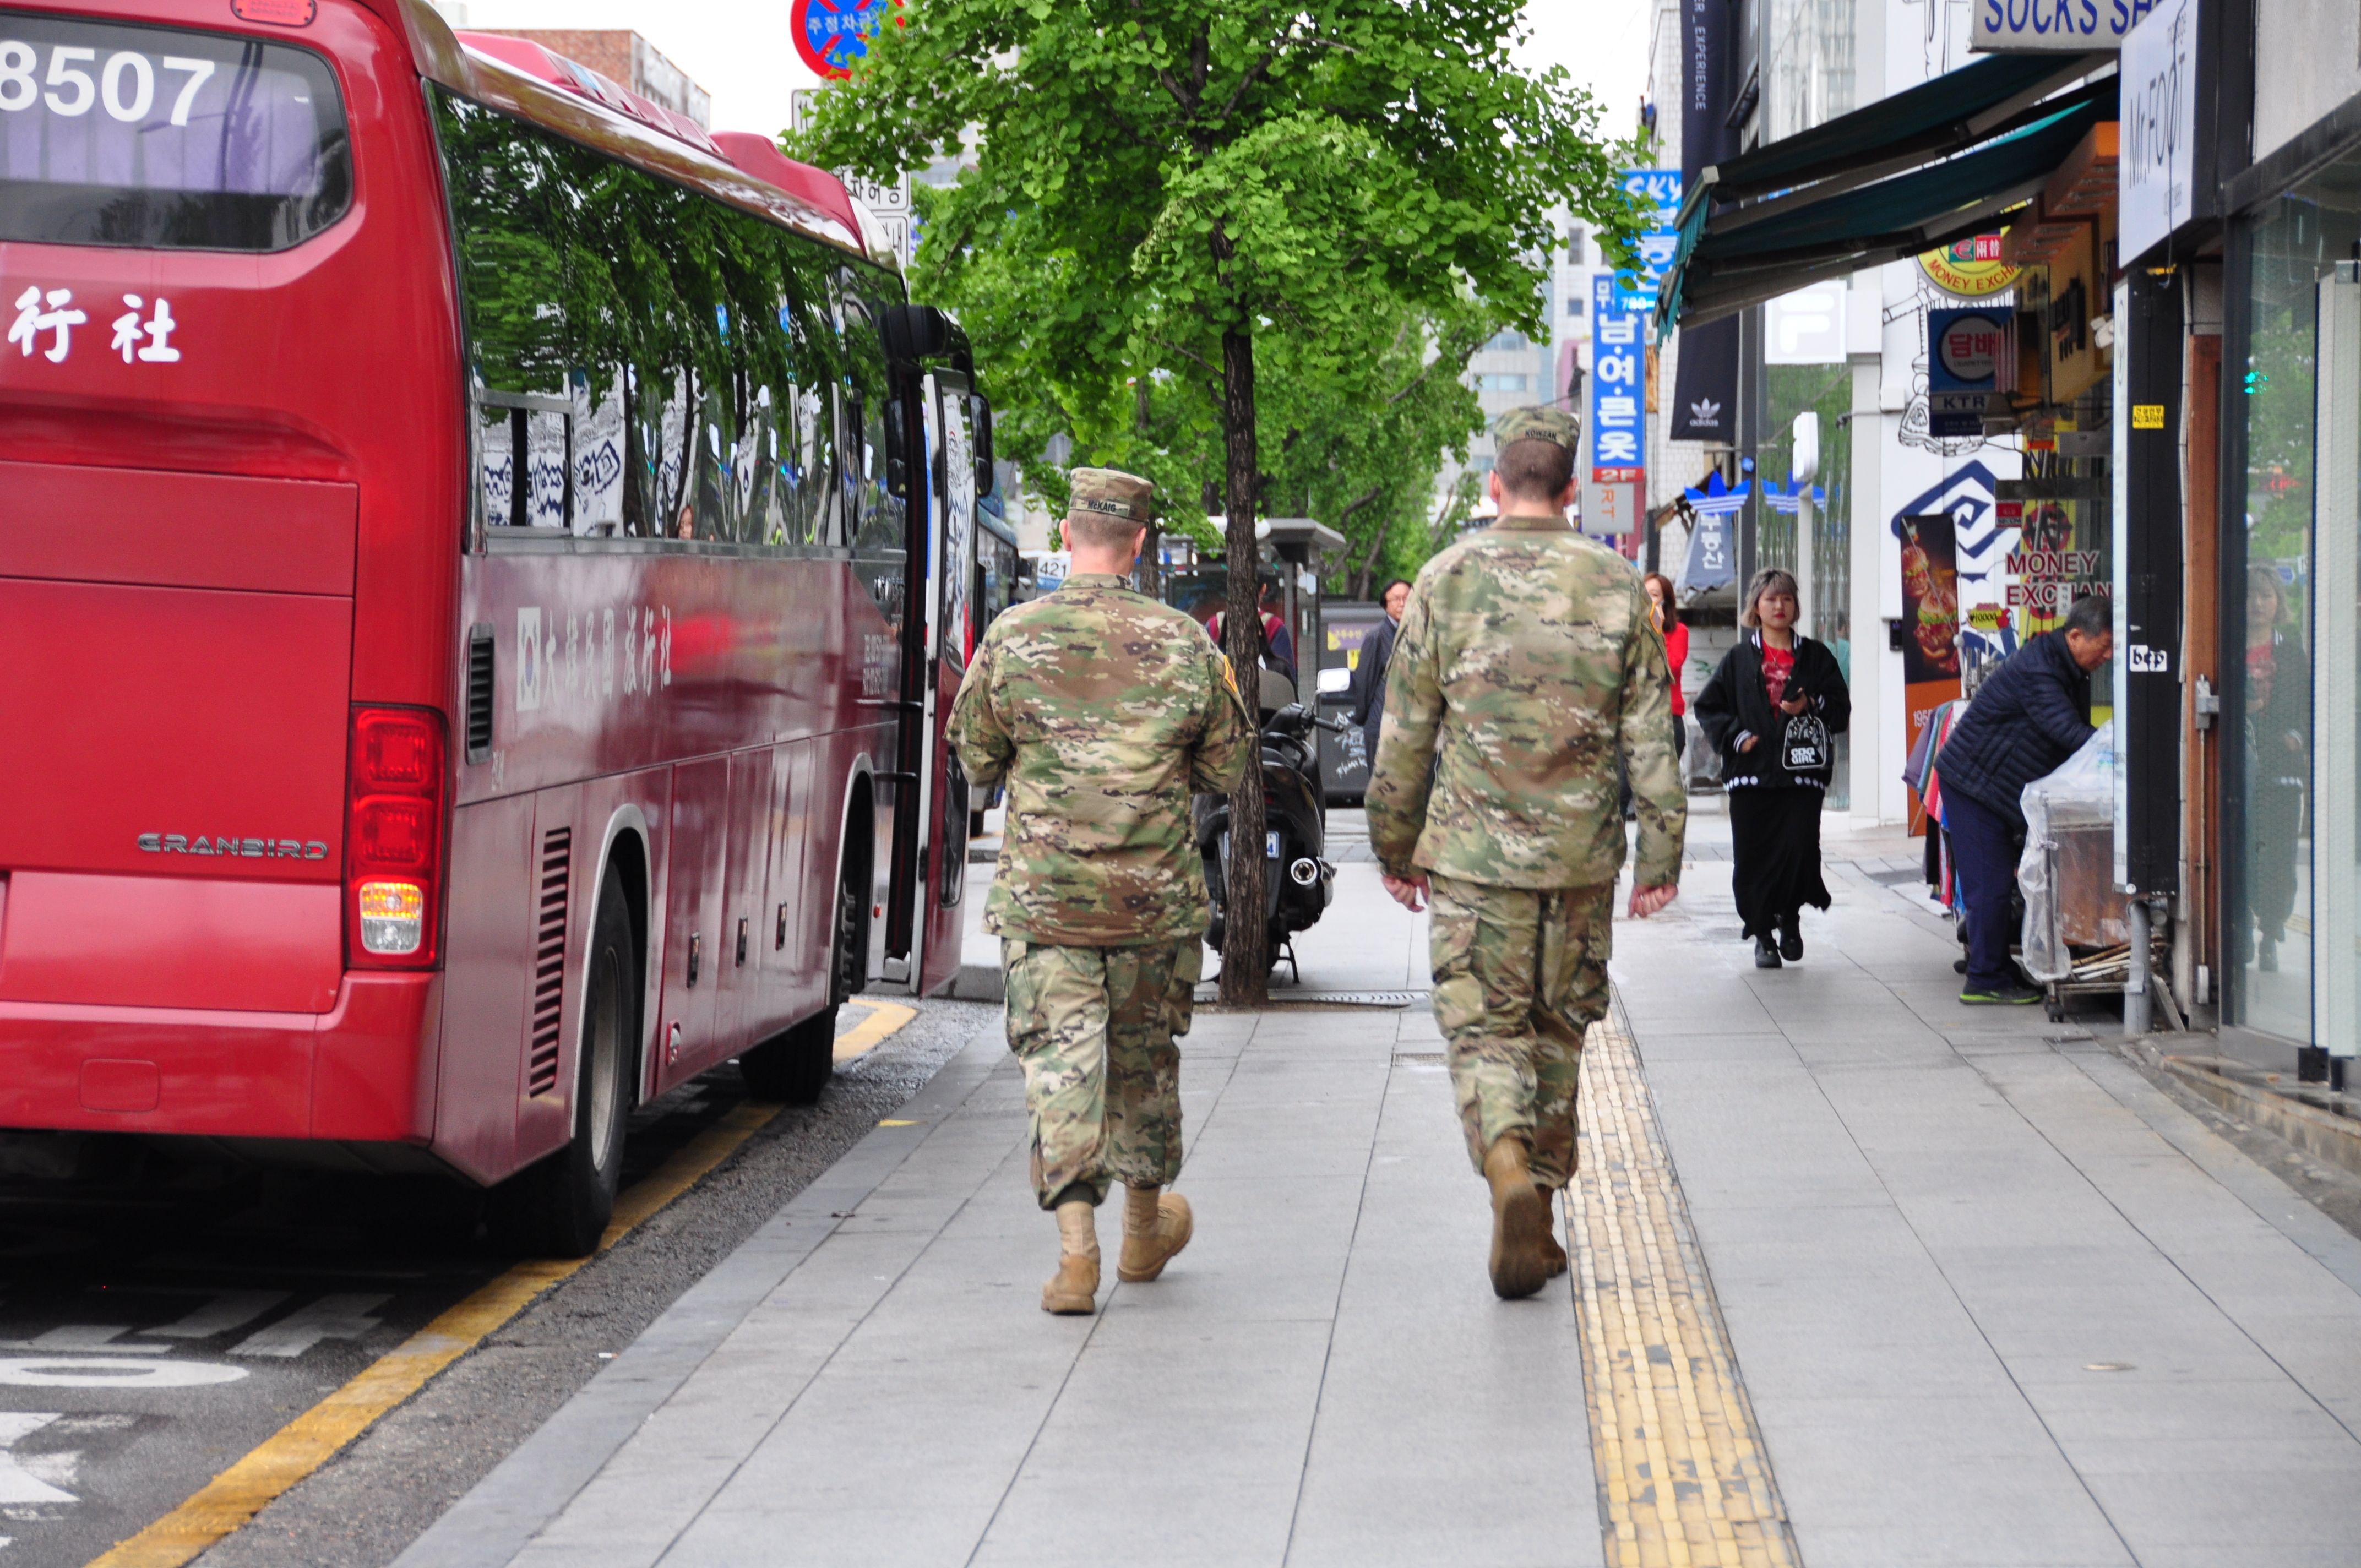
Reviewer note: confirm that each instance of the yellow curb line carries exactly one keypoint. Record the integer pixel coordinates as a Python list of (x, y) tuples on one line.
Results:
[(224, 1503), (885, 1017)]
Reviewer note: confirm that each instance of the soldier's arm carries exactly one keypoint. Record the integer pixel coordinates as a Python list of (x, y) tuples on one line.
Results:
[(1645, 736), (1219, 757), (985, 746), (1403, 769)]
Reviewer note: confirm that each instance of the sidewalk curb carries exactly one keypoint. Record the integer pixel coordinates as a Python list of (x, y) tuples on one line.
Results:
[(2319, 1133)]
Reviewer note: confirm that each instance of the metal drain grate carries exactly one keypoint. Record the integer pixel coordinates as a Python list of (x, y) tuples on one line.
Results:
[(1420, 1058), (1210, 994)]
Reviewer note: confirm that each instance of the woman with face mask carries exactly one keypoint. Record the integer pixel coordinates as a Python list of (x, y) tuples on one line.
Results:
[(1773, 710)]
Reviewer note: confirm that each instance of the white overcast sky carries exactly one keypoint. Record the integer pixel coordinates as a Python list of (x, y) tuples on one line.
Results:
[(742, 51)]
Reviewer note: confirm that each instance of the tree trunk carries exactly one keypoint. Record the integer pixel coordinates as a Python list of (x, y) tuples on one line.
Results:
[(1245, 943)]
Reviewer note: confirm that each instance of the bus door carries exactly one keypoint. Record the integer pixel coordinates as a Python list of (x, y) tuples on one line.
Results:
[(936, 646)]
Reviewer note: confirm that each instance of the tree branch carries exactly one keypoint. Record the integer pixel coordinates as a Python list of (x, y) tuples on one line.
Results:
[(1194, 358)]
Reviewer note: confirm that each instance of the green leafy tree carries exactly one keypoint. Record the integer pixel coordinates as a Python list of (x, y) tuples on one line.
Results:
[(1164, 182)]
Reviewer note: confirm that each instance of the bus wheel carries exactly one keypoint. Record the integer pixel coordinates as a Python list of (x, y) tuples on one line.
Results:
[(559, 1208), (794, 1067)]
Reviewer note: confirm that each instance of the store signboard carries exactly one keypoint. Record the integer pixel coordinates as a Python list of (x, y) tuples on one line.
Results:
[(1970, 368), (2156, 170), (1657, 193), (1618, 370), (1807, 327), (1609, 512), (2054, 27)]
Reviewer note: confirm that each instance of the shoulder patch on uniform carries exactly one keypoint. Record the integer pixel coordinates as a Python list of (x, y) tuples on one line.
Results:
[(1229, 676)]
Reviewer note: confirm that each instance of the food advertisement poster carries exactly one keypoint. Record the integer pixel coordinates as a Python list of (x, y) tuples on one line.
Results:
[(1930, 623)]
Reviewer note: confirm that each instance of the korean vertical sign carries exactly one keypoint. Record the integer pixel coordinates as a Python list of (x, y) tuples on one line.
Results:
[(1657, 193), (1611, 494)]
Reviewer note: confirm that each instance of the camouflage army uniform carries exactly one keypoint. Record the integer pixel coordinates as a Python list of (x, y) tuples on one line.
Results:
[(1103, 711), (1525, 664)]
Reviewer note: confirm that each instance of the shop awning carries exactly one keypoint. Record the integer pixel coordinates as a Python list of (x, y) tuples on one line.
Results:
[(1990, 97), (1841, 202)]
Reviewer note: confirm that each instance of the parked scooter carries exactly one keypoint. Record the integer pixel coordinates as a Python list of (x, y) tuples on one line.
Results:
[(1297, 881)]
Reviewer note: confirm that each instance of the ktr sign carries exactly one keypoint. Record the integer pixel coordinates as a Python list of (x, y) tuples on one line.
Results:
[(2060, 26)]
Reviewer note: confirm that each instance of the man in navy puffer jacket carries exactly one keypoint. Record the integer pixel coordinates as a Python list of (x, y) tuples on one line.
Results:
[(2025, 720)]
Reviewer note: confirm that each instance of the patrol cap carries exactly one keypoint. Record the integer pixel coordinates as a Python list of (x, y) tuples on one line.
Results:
[(1110, 493), (1553, 425)]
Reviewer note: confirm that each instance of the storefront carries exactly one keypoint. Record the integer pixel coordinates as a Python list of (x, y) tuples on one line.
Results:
[(2289, 722)]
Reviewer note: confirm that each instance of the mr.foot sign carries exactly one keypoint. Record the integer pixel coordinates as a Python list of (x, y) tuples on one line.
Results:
[(833, 34)]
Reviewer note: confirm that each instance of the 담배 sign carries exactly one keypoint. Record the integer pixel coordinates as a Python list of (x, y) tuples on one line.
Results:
[(1970, 365), (1618, 370), (832, 35), (1657, 190)]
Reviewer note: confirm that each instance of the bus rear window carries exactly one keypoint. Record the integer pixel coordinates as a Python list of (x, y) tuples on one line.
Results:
[(163, 139)]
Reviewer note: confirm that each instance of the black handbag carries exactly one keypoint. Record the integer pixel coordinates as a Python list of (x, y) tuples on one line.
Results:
[(1804, 747)]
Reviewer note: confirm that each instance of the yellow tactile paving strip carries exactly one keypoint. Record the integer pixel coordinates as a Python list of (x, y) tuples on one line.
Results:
[(1682, 1478)]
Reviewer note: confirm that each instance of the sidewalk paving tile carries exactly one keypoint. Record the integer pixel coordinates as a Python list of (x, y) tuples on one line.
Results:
[(1993, 1300)]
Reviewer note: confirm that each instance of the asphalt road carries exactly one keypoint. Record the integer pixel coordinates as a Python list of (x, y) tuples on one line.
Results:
[(159, 1323)]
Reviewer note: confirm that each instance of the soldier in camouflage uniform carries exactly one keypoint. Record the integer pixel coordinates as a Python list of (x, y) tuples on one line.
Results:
[(1525, 665), (1103, 711)]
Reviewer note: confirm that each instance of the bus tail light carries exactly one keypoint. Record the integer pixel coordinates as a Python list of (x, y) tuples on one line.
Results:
[(396, 806)]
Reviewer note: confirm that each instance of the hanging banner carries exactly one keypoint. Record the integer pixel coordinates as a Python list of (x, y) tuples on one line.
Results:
[(1706, 135), (1930, 625), (1705, 386)]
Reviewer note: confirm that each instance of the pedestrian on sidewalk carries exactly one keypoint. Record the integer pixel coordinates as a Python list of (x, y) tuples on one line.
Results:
[(1664, 615), (1524, 669), (1370, 669), (1103, 711), (1772, 709), (2029, 715)]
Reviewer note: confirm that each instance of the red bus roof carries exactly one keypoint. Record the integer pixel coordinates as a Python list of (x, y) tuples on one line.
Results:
[(545, 65), (760, 157)]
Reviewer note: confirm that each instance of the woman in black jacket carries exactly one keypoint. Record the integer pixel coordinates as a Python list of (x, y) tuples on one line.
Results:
[(1773, 708)]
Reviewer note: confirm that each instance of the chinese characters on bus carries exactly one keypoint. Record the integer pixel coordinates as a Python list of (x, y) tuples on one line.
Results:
[(52, 314)]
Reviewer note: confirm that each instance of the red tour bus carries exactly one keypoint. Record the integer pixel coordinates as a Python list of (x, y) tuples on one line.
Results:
[(483, 568)]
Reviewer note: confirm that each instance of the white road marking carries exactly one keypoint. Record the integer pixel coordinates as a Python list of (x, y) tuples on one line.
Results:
[(92, 1372), (222, 1310), (75, 1337), (342, 1316), (17, 1484)]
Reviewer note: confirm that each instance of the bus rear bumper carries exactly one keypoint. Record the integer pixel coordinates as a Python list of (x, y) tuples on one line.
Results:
[(361, 1072)]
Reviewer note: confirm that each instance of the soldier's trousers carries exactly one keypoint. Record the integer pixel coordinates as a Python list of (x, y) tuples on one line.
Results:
[(1095, 1029), (1520, 975)]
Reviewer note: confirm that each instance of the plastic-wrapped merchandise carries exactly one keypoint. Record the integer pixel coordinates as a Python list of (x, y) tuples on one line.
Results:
[(2067, 873)]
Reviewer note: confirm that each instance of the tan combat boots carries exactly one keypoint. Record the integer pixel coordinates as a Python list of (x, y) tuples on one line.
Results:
[(1520, 1221), (1073, 1291), (1156, 1226)]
